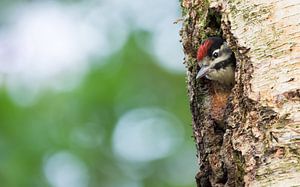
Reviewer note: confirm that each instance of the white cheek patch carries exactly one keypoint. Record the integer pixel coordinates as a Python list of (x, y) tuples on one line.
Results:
[(224, 52), (221, 58)]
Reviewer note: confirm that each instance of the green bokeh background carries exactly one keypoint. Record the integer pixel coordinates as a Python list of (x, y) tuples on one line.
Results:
[(81, 122)]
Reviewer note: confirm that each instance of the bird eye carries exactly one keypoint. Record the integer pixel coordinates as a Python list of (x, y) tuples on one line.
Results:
[(215, 54)]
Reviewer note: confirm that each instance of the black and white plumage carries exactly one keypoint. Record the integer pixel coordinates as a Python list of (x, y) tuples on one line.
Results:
[(217, 61)]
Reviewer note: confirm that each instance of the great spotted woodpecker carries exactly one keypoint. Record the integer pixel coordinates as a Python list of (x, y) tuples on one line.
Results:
[(217, 61)]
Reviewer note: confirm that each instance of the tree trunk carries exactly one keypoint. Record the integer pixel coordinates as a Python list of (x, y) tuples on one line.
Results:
[(259, 142)]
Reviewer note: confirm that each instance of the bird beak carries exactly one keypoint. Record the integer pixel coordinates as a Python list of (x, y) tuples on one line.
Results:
[(202, 72)]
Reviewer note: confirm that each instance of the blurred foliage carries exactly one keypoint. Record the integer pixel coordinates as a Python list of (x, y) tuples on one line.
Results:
[(129, 79)]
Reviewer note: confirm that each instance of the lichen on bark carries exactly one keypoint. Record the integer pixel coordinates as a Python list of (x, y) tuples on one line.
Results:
[(260, 142)]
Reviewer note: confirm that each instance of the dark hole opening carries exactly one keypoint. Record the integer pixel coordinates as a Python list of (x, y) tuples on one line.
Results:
[(213, 25)]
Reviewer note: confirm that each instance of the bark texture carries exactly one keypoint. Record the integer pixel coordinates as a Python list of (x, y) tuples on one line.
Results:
[(259, 142)]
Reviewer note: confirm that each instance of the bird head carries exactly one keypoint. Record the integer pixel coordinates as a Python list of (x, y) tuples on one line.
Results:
[(216, 60)]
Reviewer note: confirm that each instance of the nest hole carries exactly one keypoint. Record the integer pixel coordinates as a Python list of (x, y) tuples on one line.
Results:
[(213, 24)]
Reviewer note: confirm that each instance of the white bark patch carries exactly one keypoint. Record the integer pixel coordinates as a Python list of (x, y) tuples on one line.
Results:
[(271, 29)]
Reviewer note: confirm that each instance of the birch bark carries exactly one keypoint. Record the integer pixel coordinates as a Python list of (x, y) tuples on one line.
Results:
[(260, 142)]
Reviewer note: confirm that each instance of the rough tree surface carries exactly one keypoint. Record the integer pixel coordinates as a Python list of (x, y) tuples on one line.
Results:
[(259, 143)]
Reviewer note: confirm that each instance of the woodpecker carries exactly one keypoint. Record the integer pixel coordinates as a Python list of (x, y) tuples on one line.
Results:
[(217, 61)]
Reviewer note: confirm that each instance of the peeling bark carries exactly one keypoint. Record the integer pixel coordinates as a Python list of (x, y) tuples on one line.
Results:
[(259, 143)]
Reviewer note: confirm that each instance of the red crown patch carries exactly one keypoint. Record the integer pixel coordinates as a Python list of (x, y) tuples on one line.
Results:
[(202, 51)]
